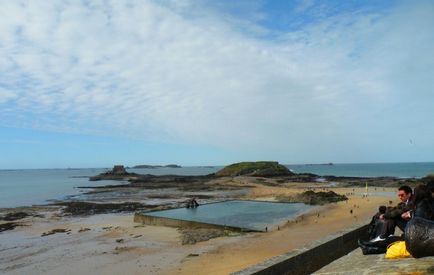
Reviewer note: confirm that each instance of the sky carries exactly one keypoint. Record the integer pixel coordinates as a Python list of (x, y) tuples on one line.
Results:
[(98, 83)]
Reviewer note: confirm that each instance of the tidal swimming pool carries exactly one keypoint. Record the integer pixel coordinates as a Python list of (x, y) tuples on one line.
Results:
[(250, 215)]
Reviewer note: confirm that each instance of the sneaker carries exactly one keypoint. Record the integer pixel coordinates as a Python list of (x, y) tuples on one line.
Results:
[(376, 239)]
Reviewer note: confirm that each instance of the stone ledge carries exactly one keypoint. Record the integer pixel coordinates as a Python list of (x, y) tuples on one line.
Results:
[(357, 263), (310, 258)]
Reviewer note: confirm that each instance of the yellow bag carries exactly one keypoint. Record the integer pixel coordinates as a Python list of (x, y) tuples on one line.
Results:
[(397, 250)]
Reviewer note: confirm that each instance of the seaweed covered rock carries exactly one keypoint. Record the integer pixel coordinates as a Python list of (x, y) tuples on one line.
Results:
[(258, 169), (14, 216), (419, 237), (90, 208), (195, 235), (315, 198), (429, 180)]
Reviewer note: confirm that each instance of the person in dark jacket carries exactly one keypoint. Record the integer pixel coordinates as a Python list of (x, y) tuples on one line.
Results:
[(419, 232), (397, 216)]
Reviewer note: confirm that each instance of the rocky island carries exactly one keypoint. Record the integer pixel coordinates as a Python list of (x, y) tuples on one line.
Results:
[(258, 169), (117, 173)]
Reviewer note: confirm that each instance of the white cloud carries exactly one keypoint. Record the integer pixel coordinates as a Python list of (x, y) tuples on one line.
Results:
[(6, 95), (149, 70)]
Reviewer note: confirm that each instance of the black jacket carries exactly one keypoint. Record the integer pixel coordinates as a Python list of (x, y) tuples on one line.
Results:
[(395, 212)]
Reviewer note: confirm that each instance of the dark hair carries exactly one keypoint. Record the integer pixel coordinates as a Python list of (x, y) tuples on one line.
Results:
[(406, 189), (382, 209), (430, 186), (421, 192)]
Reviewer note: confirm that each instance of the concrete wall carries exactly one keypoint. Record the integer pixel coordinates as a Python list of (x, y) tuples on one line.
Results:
[(162, 221), (311, 258)]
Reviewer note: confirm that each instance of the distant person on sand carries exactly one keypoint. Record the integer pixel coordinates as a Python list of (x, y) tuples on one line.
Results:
[(192, 203)]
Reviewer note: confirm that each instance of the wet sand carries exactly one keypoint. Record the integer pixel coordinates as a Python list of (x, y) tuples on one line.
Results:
[(114, 244)]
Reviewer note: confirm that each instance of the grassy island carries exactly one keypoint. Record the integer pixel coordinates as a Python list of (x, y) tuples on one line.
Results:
[(257, 168)]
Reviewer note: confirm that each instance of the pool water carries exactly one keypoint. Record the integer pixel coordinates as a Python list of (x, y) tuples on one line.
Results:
[(253, 215)]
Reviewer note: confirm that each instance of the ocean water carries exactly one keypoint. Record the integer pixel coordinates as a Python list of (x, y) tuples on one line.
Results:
[(38, 186), (399, 170)]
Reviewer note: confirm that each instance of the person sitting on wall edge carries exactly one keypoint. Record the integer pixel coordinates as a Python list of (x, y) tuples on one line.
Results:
[(423, 214)]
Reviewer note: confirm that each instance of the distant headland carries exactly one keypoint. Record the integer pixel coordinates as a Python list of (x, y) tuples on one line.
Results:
[(147, 166)]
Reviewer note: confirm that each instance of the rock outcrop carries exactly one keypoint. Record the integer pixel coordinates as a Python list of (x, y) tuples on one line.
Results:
[(258, 169), (314, 198), (429, 180), (117, 173)]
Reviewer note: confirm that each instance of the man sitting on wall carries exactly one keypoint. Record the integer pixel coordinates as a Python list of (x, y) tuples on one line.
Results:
[(396, 216)]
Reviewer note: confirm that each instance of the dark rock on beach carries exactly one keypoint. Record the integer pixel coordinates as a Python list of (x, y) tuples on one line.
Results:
[(13, 216), (90, 208), (55, 231), (8, 226), (315, 198), (428, 179)]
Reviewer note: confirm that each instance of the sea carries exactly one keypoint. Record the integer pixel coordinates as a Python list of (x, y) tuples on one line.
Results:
[(26, 187)]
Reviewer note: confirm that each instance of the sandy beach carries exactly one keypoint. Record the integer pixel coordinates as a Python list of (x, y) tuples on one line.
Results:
[(114, 244)]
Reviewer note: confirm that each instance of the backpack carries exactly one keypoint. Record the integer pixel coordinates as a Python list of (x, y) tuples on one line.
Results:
[(397, 250)]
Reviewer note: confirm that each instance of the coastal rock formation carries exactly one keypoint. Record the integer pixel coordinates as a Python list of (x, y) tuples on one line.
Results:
[(13, 216), (314, 198), (195, 235), (428, 179), (258, 169), (117, 173), (89, 208), (8, 226)]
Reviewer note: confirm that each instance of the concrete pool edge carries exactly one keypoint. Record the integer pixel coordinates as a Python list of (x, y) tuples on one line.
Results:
[(310, 258), (170, 222), (148, 219)]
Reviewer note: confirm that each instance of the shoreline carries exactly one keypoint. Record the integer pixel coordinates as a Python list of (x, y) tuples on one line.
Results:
[(63, 183), (112, 243)]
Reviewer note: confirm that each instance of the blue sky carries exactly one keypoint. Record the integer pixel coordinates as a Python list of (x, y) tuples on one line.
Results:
[(96, 83)]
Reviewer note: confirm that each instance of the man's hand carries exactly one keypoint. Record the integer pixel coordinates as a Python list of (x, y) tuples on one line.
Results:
[(406, 215), (381, 217)]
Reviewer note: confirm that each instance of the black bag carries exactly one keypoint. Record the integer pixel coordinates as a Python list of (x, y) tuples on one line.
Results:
[(419, 237)]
